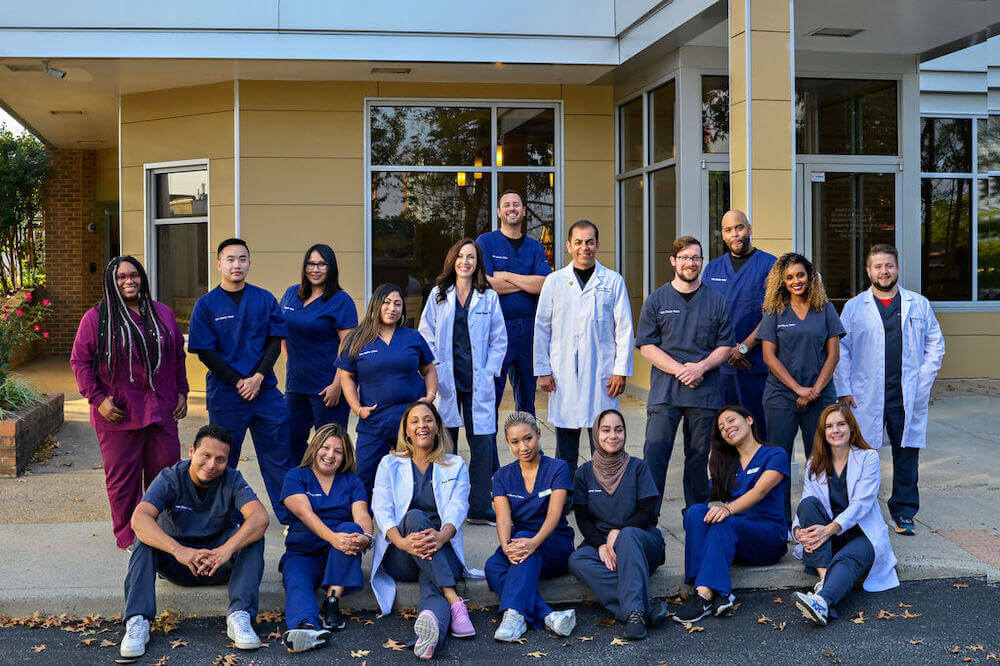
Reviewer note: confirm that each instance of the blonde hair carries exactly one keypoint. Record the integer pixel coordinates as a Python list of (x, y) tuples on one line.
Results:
[(521, 418), (323, 433), (776, 296), (442, 441)]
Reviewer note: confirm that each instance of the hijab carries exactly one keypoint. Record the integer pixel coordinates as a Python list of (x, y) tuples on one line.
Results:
[(609, 468)]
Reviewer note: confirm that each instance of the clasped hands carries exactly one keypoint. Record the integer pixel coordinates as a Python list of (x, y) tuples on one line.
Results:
[(204, 561), (806, 394), (424, 543), (691, 374), (518, 550), (349, 543), (815, 536), (249, 387)]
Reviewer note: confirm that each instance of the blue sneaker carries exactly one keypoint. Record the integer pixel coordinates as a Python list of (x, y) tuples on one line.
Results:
[(904, 526), (813, 607)]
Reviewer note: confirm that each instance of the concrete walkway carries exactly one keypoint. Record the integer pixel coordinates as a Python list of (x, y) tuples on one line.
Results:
[(59, 555)]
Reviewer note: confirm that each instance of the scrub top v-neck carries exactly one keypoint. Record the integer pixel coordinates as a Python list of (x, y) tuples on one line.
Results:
[(313, 338), (461, 346), (772, 506), (333, 507), (423, 493), (528, 510)]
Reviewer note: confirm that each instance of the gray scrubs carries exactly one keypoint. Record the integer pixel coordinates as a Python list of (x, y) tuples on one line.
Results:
[(687, 330)]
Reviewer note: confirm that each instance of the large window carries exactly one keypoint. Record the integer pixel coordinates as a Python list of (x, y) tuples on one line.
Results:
[(960, 208), (647, 190), (177, 208), (435, 171)]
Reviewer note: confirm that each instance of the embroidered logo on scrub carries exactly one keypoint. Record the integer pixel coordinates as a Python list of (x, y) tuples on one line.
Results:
[(670, 311), (223, 317), (786, 325), (753, 471)]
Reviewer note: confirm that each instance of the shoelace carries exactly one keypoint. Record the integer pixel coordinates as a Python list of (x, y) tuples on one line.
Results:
[(636, 616), (242, 622), (509, 618), (134, 630)]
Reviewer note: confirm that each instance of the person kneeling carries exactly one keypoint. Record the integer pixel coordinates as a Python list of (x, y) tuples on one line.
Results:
[(616, 503), (330, 529), (750, 478), (529, 496), (838, 524), (185, 531)]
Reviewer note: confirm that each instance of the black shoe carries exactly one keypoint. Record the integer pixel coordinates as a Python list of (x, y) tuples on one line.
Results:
[(657, 612), (329, 614), (635, 626), (905, 526), (489, 518), (693, 609), (722, 605), (306, 637)]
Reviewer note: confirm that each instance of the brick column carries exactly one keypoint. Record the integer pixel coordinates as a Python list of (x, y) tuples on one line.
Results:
[(74, 255)]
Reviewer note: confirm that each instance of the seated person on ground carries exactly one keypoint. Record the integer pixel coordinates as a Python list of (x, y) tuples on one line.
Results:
[(185, 531), (329, 531)]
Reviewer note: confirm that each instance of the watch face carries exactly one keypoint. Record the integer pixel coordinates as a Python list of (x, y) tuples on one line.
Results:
[(744, 349)]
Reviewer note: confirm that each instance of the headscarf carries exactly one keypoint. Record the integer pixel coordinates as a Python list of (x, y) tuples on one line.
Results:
[(609, 468)]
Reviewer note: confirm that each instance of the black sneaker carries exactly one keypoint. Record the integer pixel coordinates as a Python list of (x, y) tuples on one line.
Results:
[(306, 637), (693, 609), (905, 526), (657, 612), (635, 626), (722, 605), (329, 614)]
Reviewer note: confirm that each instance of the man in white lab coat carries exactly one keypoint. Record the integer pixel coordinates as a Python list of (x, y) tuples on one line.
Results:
[(583, 340), (888, 361)]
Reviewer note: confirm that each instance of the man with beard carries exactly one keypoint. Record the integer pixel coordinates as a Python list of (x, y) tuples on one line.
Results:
[(740, 276), (888, 361), (685, 333)]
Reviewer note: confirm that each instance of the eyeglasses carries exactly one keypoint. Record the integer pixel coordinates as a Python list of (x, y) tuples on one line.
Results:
[(127, 276), (316, 264), (694, 259)]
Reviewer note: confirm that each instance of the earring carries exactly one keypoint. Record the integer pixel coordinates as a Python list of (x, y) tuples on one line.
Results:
[(407, 439)]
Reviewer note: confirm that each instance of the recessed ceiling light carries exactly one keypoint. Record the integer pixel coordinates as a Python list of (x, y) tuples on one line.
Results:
[(391, 70), (835, 32), (66, 112), (90, 140)]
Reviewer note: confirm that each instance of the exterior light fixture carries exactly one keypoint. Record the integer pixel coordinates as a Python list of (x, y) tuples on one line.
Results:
[(461, 179), (499, 155), (52, 71), (478, 174)]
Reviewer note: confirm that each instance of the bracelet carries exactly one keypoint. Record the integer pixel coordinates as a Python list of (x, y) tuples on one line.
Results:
[(371, 540), (728, 510)]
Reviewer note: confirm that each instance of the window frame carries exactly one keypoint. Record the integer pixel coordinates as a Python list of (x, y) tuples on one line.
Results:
[(557, 169), (150, 171)]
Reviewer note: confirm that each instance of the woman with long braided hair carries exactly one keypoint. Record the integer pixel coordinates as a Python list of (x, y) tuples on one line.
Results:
[(128, 358)]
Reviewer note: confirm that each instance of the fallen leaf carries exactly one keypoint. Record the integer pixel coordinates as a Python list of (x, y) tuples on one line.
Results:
[(955, 649), (762, 619), (736, 607), (106, 643), (860, 619), (975, 648), (519, 641), (226, 660), (959, 585), (618, 641), (778, 600), (907, 614), (408, 613), (177, 642), (993, 656), (566, 644), (967, 659), (691, 628), (390, 644), (916, 641), (537, 654), (585, 638), (275, 635), (161, 661), (87, 641), (367, 622), (274, 615), (37, 648), (902, 605), (358, 654), (779, 626), (606, 623), (77, 499), (883, 614)]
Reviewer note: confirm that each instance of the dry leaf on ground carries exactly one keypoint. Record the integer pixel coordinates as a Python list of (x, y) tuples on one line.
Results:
[(907, 614), (537, 655), (107, 643), (860, 619), (585, 638), (226, 660), (161, 661), (780, 626), (358, 654), (959, 585), (606, 623), (916, 641), (762, 619), (691, 628), (883, 614), (177, 642), (778, 600), (391, 644), (618, 641), (519, 641), (37, 648)]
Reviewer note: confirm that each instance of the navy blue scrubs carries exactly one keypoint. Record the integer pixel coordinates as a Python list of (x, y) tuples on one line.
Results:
[(744, 293), (239, 335), (756, 536), (517, 585), (518, 309), (801, 348), (387, 375), (311, 347), (309, 561)]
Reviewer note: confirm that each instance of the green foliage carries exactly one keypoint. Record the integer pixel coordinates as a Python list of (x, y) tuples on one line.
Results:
[(16, 393), (20, 325), (24, 168)]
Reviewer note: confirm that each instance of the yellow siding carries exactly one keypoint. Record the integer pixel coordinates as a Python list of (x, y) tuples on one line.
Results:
[(971, 339), (107, 175)]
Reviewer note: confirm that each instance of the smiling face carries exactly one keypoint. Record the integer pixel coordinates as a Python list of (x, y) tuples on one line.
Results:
[(736, 233), (734, 427), (611, 433), (687, 263), (836, 430), (316, 269), (391, 309), (128, 281), (208, 461), (583, 246), (797, 280), (421, 427), (511, 209), (465, 262), (523, 442), (883, 271), (330, 456), (234, 263)]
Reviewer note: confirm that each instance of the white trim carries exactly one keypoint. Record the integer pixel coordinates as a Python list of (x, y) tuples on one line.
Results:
[(792, 77), (748, 102), (236, 155), (121, 216)]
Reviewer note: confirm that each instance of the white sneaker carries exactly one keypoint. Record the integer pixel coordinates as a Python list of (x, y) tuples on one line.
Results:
[(512, 626), (562, 622), (427, 630), (241, 632), (135, 638), (813, 607), (305, 638)]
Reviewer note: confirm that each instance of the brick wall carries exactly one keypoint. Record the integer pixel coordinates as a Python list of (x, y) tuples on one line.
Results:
[(74, 255)]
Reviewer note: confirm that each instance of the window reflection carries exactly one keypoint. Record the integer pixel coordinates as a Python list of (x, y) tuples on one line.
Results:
[(181, 194), (664, 226), (946, 212), (430, 135), (846, 117), (718, 205), (661, 125), (632, 241), (181, 267), (525, 137), (989, 239), (946, 145), (630, 129), (538, 190), (715, 114)]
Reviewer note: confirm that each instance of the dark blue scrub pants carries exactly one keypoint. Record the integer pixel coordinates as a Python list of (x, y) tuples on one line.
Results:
[(377, 436), (846, 559), (518, 364), (568, 446), (308, 411), (639, 553), (442, 570), (782, 424), (243, 573), (483, 461), (746, 389), (661, 429), (302, 573), (267, 419), (711, 548), (517, 584), (905, 499)]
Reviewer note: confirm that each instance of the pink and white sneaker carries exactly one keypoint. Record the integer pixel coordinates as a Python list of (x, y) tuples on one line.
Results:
[(461, 625)]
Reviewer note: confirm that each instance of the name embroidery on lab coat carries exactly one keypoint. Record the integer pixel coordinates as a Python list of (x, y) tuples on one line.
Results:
[(499, 256), (222, 317), (512, 495), (289, 307), (314, 494)]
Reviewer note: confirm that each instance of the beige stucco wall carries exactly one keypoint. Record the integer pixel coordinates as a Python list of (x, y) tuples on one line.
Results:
[(971, 339), (106, 188)]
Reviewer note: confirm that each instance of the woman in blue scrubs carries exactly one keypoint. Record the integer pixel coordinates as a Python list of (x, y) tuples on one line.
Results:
[(330, 530), (319, 315), (530, 498), (800, 336), (383, 367), (617, 509), (747, 477)]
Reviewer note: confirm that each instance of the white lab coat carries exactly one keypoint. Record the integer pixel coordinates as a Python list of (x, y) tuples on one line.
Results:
[(860, 372), (864, 476), (391, 499), (581, 339), (488, 338)]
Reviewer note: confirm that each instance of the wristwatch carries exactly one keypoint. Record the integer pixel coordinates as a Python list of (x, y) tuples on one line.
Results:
[(743, 349)]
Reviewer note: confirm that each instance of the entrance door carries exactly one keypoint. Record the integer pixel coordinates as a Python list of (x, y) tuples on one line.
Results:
[(846, 210)]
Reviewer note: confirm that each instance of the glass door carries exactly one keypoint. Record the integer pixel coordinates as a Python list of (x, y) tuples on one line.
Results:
[(715, 198)]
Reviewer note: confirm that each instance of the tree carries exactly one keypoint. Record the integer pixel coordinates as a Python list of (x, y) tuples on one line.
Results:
[(24, 168)]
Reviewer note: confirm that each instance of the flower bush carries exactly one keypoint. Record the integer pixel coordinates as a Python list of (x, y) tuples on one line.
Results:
[(20, 325)]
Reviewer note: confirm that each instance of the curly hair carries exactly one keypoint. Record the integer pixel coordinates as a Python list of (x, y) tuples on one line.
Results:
[(776, 297)]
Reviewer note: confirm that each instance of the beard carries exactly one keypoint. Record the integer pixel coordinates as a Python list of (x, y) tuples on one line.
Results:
[(888, 287), (744, 250), (684, 278)]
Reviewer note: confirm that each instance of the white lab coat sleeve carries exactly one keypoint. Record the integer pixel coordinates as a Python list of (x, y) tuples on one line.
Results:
[(842, 373), (623, 332), (933, 354), (428, 321), (810, 488), (383, 502), (498, 337), (457, 508), (543, 328), (865, 493)]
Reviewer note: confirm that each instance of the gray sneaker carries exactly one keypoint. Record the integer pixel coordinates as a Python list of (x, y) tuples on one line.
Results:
[(512, 626), (136, 637), (562, 622), (305, 638)]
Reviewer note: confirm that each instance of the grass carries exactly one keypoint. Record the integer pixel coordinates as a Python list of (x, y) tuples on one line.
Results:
[(16, 393)]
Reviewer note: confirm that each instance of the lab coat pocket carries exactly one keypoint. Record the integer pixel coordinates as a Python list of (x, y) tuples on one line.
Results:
[(604, 305)]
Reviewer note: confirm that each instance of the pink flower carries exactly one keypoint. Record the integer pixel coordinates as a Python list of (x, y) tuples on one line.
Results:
[(45, 334), (28, 297), (37, 327), (6, 315), (19, 313), (46, 302)]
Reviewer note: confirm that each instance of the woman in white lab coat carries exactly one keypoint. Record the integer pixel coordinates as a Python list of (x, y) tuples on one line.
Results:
[(464, 327), (838, 524)]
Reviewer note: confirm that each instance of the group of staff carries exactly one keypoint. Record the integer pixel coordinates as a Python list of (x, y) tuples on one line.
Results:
[(756, 344)]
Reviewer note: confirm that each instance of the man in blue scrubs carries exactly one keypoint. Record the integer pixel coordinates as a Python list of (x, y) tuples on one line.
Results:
[(741, 277), (236, 330), (185, 532), (516, 267), (684, 332)]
